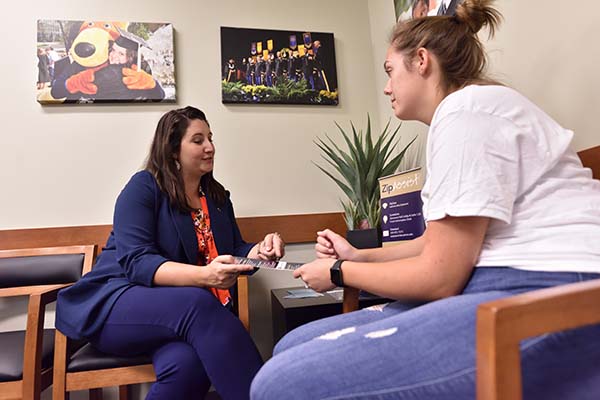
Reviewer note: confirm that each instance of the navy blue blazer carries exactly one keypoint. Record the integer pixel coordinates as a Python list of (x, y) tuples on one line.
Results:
[(147, 231)]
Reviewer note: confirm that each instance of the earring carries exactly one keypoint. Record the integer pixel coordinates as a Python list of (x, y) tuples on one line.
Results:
[(177, 165)]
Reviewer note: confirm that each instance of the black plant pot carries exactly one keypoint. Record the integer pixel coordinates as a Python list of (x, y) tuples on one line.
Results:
[(364, 238), (361, 239)]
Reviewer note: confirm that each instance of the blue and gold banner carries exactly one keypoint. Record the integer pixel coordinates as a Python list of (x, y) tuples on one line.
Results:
[(401, 206)]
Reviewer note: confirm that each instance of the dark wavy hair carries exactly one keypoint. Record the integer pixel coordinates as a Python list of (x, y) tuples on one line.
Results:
[(453, 40), (161, 160)]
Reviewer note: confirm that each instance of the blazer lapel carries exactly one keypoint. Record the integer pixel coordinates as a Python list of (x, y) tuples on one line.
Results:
[(187, 234)]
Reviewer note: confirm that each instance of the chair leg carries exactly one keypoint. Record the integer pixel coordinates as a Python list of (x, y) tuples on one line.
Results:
[(59, 388), (96, 394), (124, 392), (350, 301)]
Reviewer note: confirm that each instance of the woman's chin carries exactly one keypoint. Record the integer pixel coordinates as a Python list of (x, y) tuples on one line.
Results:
[(206, 169), (398, 113)]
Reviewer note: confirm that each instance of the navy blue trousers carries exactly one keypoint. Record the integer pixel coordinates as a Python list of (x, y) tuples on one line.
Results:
[(193, 339)]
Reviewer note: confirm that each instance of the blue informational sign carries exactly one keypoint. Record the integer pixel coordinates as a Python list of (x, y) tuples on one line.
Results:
[(401, 206)]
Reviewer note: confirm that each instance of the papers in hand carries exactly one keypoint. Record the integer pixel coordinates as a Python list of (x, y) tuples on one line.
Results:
[(278, 265), (301, 294)]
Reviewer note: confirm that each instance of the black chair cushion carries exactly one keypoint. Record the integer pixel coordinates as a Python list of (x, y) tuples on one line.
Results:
[(12, 345), (88, 358), (40, 270)]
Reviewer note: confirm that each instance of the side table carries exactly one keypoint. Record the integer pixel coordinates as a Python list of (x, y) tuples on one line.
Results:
[(291, 313)]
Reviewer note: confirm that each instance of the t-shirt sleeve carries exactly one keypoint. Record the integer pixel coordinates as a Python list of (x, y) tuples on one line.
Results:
[(473, 164)]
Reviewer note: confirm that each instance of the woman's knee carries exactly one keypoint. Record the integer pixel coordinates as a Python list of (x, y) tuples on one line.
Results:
[(192, 305), (178, 363), (267, 384), (299, 335)]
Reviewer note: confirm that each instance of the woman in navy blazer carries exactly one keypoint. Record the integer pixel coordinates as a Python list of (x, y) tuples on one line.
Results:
[(156, 288)]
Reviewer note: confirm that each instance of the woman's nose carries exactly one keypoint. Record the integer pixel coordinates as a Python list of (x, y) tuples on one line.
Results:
[(387, 90)]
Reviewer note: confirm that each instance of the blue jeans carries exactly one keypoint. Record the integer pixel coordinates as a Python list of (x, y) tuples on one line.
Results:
[(427, 351), (193, 339)]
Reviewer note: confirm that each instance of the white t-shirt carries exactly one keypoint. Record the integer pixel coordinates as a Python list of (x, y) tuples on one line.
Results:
[(493, 153)]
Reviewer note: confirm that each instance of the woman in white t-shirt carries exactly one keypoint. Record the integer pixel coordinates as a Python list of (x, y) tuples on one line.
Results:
[(509, 209)]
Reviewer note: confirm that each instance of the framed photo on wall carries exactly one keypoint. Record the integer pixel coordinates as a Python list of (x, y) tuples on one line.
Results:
[(104, 62), (261, 66), (409, 9)]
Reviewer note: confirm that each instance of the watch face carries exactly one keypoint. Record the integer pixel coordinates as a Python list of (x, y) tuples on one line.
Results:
[(336, 273)]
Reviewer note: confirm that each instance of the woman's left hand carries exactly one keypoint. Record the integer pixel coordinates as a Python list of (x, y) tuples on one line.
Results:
[(316, 274), (271, 248)]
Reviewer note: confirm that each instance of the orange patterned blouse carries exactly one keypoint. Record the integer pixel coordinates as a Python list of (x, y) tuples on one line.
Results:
[(207, 249)]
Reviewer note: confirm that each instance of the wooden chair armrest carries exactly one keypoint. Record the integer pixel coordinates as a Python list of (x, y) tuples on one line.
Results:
[(49, 293), (243, 301), (546, 310), (28, 290), (503, 323)]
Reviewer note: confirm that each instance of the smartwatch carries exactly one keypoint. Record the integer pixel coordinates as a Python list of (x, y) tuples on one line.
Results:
[(335, 273)]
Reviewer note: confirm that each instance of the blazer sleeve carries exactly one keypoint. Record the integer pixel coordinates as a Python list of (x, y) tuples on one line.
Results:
[(134, 226), (240, 247)]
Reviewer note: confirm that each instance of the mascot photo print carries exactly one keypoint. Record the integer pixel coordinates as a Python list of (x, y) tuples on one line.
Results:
[(104, 61)]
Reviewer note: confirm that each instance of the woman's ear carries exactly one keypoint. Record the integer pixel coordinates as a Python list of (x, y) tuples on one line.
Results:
[(423, 60)]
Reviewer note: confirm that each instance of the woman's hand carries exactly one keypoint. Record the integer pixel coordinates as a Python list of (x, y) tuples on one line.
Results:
[(331, 245), (222, 273), (271, 248), (316, 274), (136, 79)]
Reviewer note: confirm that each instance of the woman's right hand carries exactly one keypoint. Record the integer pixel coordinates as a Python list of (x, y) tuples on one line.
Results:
[(222, 273), (331, 245)]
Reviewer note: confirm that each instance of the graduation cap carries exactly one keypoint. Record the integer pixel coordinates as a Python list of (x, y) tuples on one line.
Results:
[(127, 43), (126, 36)]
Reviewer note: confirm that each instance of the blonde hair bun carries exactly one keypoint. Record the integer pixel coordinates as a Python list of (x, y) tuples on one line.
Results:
[(478, 13)]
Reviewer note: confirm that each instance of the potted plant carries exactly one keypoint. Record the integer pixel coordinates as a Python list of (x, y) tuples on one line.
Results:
[(358, 169)]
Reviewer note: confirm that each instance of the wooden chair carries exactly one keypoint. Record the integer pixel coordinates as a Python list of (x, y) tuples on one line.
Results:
[(26, 362), (90, 369), (502, 324)]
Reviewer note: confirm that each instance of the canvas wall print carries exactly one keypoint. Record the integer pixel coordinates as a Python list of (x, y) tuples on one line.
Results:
[(104, 62), (262, 66), (409, 9)]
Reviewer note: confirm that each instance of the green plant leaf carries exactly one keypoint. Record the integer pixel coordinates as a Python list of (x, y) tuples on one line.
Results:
[(351, 215), (351, 148), (347, 190), (358, 145), (395, 162), (344, 155), (346, 170)]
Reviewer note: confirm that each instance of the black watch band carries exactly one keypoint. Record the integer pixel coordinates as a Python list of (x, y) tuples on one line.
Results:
[(335, 273)]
